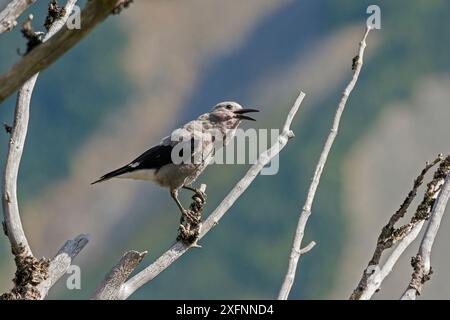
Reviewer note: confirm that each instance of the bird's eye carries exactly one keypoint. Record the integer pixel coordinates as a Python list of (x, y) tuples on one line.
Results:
[(229, 107)]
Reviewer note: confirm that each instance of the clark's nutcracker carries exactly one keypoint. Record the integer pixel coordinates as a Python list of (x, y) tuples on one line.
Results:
[(161, 163)]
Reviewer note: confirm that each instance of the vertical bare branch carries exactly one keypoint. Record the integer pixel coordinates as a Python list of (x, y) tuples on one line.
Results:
[(13, 224), (178, 249), (306, 212), (422, 261), (33, 277), (12, 11)]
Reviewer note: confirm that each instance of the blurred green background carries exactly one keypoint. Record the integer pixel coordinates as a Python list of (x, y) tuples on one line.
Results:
[(161, 63)]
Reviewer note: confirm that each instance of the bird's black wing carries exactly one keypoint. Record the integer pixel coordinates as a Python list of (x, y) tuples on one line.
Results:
[(153, 158)]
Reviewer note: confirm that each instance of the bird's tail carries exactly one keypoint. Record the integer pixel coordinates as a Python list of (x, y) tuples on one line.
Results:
[(113, 174)]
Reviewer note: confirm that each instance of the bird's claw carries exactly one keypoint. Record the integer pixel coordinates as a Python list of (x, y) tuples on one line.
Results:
[(187, 214), (200, 194)]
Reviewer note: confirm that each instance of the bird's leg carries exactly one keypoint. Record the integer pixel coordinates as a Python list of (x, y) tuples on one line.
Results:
[(198, 192), (174, 195), (184, 212), (190, 221)]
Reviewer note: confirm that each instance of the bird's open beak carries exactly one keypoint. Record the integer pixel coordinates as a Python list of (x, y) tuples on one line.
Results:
[(240, 114)]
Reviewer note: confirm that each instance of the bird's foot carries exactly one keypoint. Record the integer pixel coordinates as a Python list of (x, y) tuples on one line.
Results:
[(200, 194), (188, 235), (190, 217)]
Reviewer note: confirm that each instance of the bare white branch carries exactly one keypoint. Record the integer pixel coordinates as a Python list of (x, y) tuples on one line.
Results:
[(403, 236), (11, 12), (422, 270), (306, 211), (178, 249), (13, 224), (111, 286), (61, 262), (308, 248), (378, 275)]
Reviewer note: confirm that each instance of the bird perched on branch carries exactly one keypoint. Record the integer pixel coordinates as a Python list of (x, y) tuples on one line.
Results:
[(178, 160)]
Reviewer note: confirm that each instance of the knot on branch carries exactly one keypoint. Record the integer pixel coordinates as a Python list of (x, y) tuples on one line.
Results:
[(355, 62), (9, 25), (34, 38), (8, 128), (121, 5), (30, 272), (191, 220), (419, 276), (55, 12), (433, 188), (5, 228), (391, 235)]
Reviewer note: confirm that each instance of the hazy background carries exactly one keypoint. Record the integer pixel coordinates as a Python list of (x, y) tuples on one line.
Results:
[(160, 63)]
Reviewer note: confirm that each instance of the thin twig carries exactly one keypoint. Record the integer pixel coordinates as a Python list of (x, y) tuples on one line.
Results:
[(422, 261), (308, 248), (178, 249), (306, 212)]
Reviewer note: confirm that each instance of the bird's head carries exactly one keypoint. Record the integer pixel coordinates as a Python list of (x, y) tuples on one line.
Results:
[(230, 113)]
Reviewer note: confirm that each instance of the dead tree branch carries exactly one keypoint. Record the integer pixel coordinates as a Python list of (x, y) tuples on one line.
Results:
[(61, 262), (403, 236), (111, 286), (48, 52), (179, 248), (12, 224), (33, 277), (306, 212), (13, 10), (422, 261)]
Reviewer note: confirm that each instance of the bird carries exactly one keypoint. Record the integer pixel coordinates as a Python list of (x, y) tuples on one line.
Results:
[(194, 143)]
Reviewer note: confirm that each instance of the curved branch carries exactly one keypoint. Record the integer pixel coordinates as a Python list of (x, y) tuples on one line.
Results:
[(13, 10), (178, 249), (13, 224), (47, 273), (306, 211)]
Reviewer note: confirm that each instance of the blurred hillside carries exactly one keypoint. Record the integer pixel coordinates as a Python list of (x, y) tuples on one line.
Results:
[(159, 63)]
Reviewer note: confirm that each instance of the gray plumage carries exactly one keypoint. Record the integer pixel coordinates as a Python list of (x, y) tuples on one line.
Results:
[(178, 160)]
